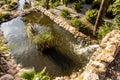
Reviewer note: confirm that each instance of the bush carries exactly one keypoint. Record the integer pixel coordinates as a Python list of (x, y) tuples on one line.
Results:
[(109, 12), (37, 3), (54, 3), (65, 13), (77, 7), (91, 15), (88, 1), (81, 27), (116, 22), (30, 74), (76, 23), (113, 9), (103, 30), (43, 40), (96, 4), (116, 7)]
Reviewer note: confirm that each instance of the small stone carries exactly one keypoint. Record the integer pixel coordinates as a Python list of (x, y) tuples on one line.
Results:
[(7, 77), (11, 71)]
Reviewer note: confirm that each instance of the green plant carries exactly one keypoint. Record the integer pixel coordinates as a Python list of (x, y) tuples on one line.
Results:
[(54, 3), (109, 12), (42, 3), (65, 13), (77, 6), (116, 22), (37, 3), (57, 3), (76, 23), (96, 4), (43, 40), (91, 15), (116, 7), (30, 74), (3, 49), (103, 30), (113, 9)]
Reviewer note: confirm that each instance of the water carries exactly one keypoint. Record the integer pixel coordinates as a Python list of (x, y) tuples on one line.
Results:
[(64, 58)]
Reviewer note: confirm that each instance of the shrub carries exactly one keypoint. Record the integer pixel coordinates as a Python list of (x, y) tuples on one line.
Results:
[(116, 7), (116, 22), (109, 12), (77, 7), (81, 27), (113, 9), (30, 74), (96, 4), (2, 50), (43, 40), (88, 1), (76, 23), (37, 3), (54, 3), (103, 30), (91, 15), (65, 13), (57, 3)]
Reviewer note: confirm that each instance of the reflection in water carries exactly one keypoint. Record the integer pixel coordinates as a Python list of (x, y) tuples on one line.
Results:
[(59, 60)]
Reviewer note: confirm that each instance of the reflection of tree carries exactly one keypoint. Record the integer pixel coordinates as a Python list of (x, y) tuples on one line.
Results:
[(37, 18)]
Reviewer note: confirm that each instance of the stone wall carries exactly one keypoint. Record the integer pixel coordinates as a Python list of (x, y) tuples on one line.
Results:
[(104, 55)]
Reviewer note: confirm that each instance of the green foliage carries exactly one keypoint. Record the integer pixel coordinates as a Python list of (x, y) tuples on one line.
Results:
[(30, 74), (88, 1), (116, 22), (37, 3), (116, 7), (109, 12), (113, 9), (65, 13), (77, 6), (5, 16), (81, 27), (76, 23), (43, 40), (2, 50), (42, 75), (54, 3), (103, 30), (96, 4), (91, 15), (42, 3)]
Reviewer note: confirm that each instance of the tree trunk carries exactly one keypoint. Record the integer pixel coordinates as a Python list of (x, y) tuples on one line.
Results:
[(100, 16), (47, 4)]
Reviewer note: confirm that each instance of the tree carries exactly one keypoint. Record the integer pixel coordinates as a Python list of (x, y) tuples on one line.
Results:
[(100, 16), (47, 4)]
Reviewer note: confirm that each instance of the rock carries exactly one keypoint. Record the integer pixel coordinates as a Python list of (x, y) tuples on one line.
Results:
[(7, 77), (11, 71)]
